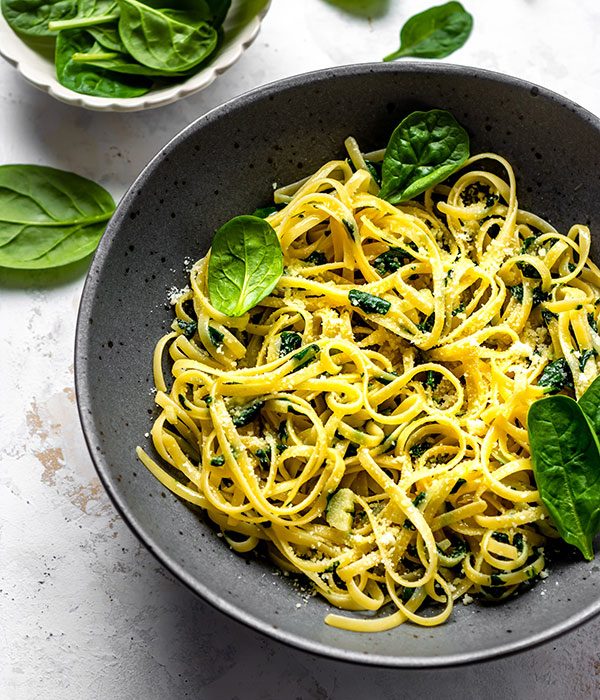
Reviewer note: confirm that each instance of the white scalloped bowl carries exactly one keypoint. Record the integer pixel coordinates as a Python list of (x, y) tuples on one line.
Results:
[(240, 30)]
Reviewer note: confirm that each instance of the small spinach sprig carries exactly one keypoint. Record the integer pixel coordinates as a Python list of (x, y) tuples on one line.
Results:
[(565, 454), (424, 149), (49, 217), (245, 264), (434, 33)]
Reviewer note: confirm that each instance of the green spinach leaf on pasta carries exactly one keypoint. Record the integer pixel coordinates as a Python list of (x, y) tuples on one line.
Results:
[(49, 217), (245, 264), (590, 404), (556, 376), (434, 33), (565, 456), (424, 149), (369, 303)]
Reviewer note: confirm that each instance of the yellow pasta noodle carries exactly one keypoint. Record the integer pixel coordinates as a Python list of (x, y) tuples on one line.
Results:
[(366, 421)]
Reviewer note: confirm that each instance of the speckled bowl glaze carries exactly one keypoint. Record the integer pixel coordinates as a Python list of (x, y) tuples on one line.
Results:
[(37, 66), (225, 164)]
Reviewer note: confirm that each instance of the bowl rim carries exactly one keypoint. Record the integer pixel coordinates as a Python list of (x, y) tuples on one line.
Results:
[(92, 436), (15, 54)]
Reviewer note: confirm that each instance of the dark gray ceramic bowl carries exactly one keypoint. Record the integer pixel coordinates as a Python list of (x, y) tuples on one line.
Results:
[(224, 164)]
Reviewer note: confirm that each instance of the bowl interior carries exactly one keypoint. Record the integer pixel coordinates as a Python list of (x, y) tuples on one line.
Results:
[(224, 164)]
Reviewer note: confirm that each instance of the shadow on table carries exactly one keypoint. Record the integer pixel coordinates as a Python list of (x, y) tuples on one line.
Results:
[(207, 655), (363, 8), (44, 279)]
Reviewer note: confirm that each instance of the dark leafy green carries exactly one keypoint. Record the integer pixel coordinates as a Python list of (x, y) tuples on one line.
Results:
[(189, 328), (264, 457), (427, 325), (115, 62), (31, 17), (263, 212), (528, 270), (49, 217), (548, 315), (585, 356), (242, 415), (317, 258), (392, 260), (101, 19), (434, 33), (537, 296), (89, 13), (556, 376), (423, 150), (306, 356), (245, 264), (216, 337), (219, 10), (164, 42), (90, 80), (566, 461), (369, 303), (590, 404), (289, 342), (149, 46), (107, 35)]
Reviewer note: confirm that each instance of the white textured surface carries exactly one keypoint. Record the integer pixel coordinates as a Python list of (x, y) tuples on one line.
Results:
[(85, 612)]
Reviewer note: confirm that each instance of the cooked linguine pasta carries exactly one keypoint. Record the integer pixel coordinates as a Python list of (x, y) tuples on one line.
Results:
[(367, 420)]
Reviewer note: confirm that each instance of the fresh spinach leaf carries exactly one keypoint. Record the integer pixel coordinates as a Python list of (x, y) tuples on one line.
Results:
[(434, 33), (31, 17), (118, 63), (369, 303), (101, 19), (590, 404), (164, 42), (556, 376), (565, 455), (219, 10), (107, 35), (49, 217), (263, 212), (90, 80), (245, 264), (374, 167), (423, 150), (89, 13)]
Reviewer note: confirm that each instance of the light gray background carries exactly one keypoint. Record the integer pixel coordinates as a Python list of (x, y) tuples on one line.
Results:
[(85, 612)]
